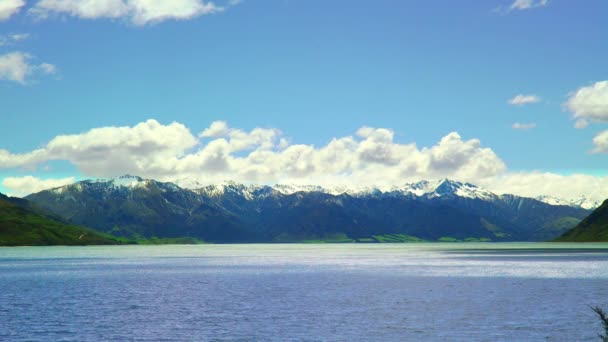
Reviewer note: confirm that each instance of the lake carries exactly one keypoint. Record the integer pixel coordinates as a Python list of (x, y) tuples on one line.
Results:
[(325, 292)]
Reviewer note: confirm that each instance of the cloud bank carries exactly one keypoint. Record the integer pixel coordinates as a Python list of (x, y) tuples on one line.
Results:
[(171, 151), (536, 183), (369, 157), (138, 12), (22, 186)]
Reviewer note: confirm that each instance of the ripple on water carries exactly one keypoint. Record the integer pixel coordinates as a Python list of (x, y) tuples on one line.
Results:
[(303, 292)]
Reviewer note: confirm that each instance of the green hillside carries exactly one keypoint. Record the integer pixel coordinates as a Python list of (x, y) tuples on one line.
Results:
[(21, 226), (594, 228)]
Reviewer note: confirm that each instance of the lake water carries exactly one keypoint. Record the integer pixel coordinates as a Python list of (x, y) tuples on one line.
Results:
[(333, 292)]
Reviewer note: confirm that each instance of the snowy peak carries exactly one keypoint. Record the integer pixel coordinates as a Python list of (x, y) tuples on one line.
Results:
[(188, 183), (250, 192), (444, 188), (121, 184), (424, 189), (582, 202), (466, 190), (447, 187), (288, 189)]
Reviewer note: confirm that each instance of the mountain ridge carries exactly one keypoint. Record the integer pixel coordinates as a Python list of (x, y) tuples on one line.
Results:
[(594, 228), (134, 207), (423, 188)]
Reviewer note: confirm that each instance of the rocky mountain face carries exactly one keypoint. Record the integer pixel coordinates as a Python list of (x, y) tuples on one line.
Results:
[(232, 212)]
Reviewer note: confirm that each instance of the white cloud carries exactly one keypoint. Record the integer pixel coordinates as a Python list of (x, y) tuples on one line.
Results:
[(14, 66), (527, 4), (86, 9), (601, 142), (147, 148), (261, 155), (371, 157), (523, 126), (139, 12), (47, 69), (590, 103), (536, 183), (521, 100), (581, 123), (13, 38), (216, 130), (17, 67), (23, 186), (147, 11), (8, 8)]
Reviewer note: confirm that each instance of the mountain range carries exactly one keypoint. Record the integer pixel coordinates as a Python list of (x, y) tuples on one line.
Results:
[(442, 210)]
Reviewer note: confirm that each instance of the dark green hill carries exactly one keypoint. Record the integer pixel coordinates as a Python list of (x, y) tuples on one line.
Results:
[(20, 225), (594, 228)]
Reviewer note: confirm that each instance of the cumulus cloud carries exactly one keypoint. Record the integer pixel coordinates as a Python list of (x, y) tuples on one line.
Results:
[(527, 4), (139, 12), (8, 8), (216, 130), (146, 148), (369, 157), (263, 155), (145, 11), (23, 186), (523, 126), (13, 38), (589, 103), (601, 142), (520, 100), (17, 67)]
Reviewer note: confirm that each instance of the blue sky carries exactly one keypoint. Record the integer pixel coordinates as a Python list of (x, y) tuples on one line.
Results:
[(316, 71)]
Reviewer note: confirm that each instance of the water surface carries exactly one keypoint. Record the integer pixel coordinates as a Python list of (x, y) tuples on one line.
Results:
[(333, 292)]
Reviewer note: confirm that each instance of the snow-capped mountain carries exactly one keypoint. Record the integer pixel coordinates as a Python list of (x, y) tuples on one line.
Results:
[(235, 212), (422, 189), (288, 189), (444, 187), (428, 189), (117, 184), (581, 202)]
